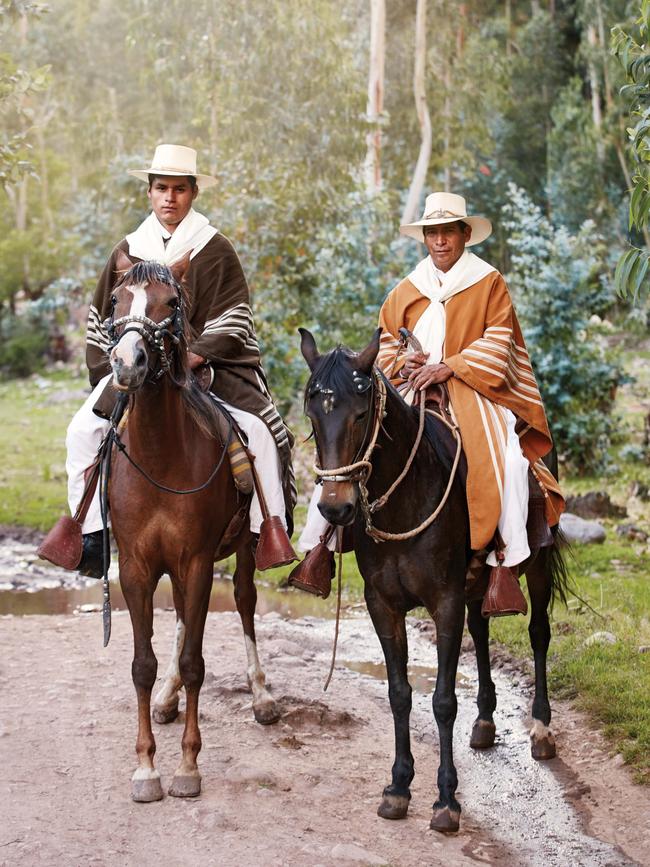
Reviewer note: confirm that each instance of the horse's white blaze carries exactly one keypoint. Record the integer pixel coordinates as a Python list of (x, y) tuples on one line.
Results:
[(145, 774), (539, 731), (254, 673), (126, 348), (167, 694)]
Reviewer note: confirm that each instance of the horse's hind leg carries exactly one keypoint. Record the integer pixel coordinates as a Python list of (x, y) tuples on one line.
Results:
[(483, 730), (165, 706), (265, 708), (198, 584), (449, 617), (391, 631), (539, 580), (139, 598)]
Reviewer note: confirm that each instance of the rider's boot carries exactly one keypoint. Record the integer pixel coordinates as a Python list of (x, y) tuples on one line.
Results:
[(91, 564)]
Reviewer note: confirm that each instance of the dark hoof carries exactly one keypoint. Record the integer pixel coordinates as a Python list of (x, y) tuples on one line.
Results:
[(267, 713), (145, 791), (483, 734), (445, 820), (185, 786), (543, 748), (164, 715), (393, 807)]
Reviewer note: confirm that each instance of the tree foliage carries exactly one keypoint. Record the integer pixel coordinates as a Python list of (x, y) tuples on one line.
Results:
[(631, 48)]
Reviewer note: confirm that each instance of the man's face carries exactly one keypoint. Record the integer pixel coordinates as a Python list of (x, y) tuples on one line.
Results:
[(446, 243), (171, 199)]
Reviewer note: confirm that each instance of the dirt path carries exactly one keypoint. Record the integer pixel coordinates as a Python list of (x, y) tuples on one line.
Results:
[(302, 792)]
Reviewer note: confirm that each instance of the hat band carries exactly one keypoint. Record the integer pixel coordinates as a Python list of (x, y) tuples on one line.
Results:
[(441, 214), (154, 169)]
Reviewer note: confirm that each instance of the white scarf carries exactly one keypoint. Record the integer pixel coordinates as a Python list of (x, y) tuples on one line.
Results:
[(191, 235), (431, 326)]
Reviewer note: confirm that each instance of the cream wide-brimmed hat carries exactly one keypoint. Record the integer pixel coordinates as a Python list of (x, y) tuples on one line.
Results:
[(447, 208), (174, 161)]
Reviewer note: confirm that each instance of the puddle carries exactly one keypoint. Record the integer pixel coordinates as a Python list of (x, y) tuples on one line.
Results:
[(421, 677), (66, 600)]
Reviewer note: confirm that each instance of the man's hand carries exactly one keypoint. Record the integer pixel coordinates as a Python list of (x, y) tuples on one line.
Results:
[(430, 374), (194, 359), (414, 361)]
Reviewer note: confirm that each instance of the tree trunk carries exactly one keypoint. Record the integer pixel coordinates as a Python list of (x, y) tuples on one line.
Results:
[(594, 85), (372, 165), (420, 173)]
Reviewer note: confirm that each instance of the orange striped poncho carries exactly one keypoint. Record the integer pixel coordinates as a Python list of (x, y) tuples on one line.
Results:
[(485, 349)]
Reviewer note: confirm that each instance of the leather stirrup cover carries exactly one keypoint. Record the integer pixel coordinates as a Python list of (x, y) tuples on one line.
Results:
[(63, 545), (504, 594), (273, 547), (314, 575)]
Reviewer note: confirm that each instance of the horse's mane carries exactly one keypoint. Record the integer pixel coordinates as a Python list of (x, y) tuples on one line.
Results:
[(334, 371), (200, 406)]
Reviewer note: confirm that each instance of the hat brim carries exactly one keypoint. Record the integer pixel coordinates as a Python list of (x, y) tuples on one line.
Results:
[(202, 181), (481, 228)]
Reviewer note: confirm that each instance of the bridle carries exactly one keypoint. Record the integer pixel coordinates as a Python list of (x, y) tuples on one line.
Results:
[(360, 470), (153, 332)]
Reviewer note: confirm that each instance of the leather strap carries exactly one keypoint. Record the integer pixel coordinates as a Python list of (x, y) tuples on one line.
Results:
[(89, 491)]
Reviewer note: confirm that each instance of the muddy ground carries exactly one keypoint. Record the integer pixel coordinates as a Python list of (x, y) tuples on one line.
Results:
[(303, 791)]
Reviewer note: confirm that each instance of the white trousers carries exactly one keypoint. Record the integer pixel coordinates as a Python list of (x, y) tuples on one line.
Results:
[(87, 430), (514, 509)]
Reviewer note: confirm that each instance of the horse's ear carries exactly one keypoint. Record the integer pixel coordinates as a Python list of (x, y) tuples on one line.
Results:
[(366, 358), (308, 348), (179, 269), (122, 262)]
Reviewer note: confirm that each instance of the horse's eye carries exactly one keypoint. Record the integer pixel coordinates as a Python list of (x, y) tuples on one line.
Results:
[(113, 302), (361, 416), (173, 303)]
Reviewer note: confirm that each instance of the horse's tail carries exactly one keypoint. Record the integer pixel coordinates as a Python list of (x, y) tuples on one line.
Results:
[(561, 583)]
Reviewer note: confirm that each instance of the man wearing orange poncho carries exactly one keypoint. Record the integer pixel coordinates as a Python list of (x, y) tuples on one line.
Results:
[(459, 308)]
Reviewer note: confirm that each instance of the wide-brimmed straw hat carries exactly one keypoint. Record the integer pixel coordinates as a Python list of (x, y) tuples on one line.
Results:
[(442, 208), (174, 161)]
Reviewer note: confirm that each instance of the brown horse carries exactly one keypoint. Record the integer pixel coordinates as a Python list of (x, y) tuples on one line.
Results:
[(171, 437), (365, 433)]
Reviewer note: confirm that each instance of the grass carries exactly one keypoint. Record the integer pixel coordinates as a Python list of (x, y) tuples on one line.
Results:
[(609, 681)]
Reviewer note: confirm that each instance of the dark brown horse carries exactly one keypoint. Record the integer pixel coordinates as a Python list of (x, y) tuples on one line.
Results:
[(350, 404), (171, 435)]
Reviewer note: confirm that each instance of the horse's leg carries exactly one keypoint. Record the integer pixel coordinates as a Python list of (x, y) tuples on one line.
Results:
[(539, 580), (390, 627), (449, 616), (198, 584), (165, 706), (138, 594), (265, 707), (483, 730)]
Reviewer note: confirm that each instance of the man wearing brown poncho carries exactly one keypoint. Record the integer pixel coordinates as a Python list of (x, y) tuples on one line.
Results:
[(221, 318), (459, 308)]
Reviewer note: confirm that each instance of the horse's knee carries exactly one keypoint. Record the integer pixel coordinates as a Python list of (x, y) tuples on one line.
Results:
[(539, 631), (399, 695), (192, 669), (445, 707), (143, 671)]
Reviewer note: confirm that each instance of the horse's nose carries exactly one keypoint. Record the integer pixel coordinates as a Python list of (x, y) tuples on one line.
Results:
[(337, 513)]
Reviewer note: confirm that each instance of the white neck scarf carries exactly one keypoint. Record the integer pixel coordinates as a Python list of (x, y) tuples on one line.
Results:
[(190, 236), (431, 326)]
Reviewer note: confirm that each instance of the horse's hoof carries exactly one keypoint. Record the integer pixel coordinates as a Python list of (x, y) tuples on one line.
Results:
[(393, 807), (483, 734), (267, 712), (543, 748), (145, 791), (185, 786), (542, 742), (445, 820), (164, 715)]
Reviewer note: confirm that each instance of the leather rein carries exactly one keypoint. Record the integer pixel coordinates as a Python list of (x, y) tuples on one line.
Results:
[(361, 470)]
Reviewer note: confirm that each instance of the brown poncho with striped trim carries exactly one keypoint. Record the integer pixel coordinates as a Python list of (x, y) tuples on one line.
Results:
[(485, 348), (222, 320)]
